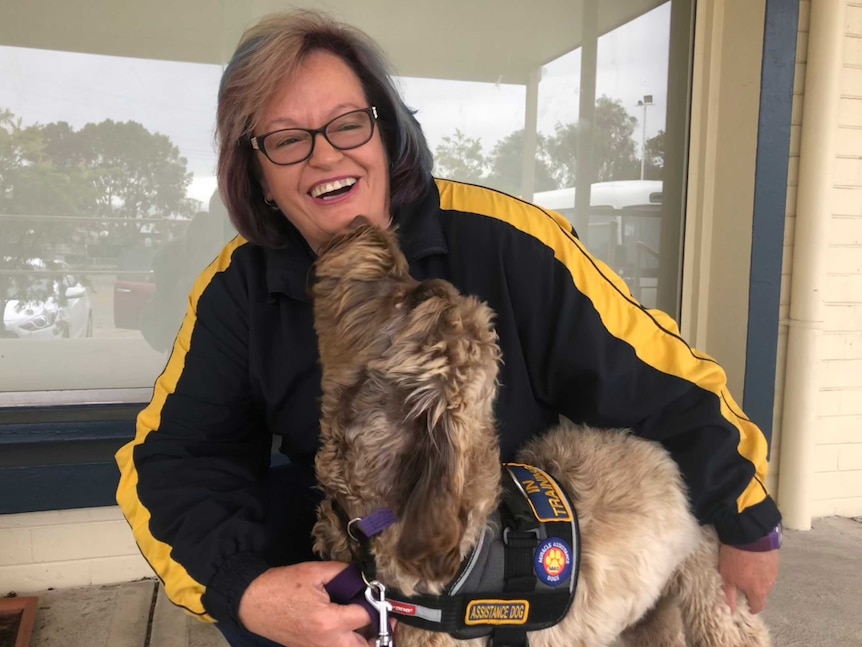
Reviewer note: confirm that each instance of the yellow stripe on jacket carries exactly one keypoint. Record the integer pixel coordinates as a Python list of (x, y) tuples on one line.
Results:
[(181, 588), (653, 335)]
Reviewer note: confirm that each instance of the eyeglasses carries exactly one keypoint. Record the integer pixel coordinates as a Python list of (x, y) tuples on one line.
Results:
[(295, 145)]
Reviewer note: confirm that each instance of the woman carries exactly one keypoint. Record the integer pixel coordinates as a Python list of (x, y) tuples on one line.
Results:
[(313, 133)]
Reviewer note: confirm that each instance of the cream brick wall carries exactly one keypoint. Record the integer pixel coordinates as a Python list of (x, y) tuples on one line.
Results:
[(61, 549), (837, 484), (838, 478)]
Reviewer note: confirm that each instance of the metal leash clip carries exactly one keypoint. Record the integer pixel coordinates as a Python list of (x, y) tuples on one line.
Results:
[(383, 606)]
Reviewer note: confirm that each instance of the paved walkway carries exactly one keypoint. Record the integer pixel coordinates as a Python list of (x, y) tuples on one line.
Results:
[(816, 603)]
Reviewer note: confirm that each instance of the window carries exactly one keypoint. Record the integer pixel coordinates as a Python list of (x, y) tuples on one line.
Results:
[(107, 159)]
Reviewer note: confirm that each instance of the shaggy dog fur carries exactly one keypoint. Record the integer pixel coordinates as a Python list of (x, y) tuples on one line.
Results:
[(409, 382)]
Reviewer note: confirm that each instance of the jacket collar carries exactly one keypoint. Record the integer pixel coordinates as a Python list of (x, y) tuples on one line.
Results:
[(288, 267), (418, 228)]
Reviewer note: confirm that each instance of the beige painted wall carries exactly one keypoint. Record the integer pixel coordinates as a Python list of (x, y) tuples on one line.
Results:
[(720, 206), (837, 482)]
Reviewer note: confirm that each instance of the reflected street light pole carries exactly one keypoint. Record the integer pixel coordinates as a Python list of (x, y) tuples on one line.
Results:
[(646, 101)]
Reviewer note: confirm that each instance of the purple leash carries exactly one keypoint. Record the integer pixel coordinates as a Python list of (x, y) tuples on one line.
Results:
[(350, 586)]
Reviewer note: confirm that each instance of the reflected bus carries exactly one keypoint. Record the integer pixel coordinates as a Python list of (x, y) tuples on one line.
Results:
[(623, 228)]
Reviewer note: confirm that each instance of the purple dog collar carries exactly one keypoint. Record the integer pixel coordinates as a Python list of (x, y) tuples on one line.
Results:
[(373, 524)]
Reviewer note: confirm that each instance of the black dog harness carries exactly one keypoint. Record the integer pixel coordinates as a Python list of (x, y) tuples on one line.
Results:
[(520, 577)]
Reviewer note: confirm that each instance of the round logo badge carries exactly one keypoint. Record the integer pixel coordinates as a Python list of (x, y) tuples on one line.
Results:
[(553, 561)]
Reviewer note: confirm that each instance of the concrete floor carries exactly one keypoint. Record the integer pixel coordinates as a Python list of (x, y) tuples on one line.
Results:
[(816, 603), (818, 599)]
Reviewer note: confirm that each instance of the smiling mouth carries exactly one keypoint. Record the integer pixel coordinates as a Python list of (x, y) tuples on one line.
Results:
[(330, 190)]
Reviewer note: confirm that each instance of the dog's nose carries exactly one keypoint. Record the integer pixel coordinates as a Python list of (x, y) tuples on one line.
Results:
[(358, 222)]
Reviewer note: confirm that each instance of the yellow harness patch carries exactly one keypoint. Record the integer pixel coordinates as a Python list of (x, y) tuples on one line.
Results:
[(546, 499), (497, 612)]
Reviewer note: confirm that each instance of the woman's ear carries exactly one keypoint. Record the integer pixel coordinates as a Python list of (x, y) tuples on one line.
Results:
[(264, 186)]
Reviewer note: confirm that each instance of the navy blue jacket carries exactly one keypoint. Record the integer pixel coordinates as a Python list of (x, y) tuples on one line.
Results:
[(245, 367)]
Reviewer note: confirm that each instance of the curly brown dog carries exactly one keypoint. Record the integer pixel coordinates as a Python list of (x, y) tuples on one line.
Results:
[(407, 424)]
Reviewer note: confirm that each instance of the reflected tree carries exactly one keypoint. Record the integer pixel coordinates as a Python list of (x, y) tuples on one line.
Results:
[(62, 189), (613, 145), (35, 198), (136, 174), (460, 158), (506, 162)]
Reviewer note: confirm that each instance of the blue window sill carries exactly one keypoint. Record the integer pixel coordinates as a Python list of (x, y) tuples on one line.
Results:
[(59, 458)]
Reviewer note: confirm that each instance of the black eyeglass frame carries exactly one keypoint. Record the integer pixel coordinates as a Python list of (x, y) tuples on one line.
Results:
[(258, 143)]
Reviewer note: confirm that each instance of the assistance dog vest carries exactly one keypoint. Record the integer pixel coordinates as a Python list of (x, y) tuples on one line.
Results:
[(520, 577)]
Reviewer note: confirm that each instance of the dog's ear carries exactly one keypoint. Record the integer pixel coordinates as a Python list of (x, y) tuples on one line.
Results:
[(443, 362), (432, 517)]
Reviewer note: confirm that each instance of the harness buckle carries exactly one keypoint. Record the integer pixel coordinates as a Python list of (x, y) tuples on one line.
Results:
[(507, 530)]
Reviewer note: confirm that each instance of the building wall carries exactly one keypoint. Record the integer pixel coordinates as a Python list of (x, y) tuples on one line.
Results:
[(837, 482), (838, 485), (67, 548), (94, 546)]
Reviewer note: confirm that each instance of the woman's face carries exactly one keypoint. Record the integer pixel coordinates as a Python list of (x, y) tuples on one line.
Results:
[(325, 88)]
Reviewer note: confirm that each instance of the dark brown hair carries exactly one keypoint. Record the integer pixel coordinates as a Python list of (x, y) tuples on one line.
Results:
[(268, 56)]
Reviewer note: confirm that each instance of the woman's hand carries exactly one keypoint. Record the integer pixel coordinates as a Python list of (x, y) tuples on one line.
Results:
[(289, 605), (752, 573)]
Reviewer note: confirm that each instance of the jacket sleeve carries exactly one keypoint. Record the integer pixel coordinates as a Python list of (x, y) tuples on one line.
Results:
[(600, 358), (191, 483)]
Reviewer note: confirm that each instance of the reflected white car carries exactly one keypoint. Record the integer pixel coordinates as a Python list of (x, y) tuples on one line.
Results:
[(53, 317)]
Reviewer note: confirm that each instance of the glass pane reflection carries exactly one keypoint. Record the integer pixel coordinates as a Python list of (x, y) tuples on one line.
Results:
[(107, 161)]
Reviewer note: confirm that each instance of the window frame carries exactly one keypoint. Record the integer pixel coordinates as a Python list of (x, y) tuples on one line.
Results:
[(49, 424)]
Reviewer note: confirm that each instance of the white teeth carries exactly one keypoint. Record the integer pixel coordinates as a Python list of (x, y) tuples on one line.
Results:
[(329, 187)]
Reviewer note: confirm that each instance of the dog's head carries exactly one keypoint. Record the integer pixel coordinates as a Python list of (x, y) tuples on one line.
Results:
[(358, 277), (409, 382)]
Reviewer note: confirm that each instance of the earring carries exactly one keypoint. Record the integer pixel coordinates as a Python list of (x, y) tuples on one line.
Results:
[(271, 204)]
